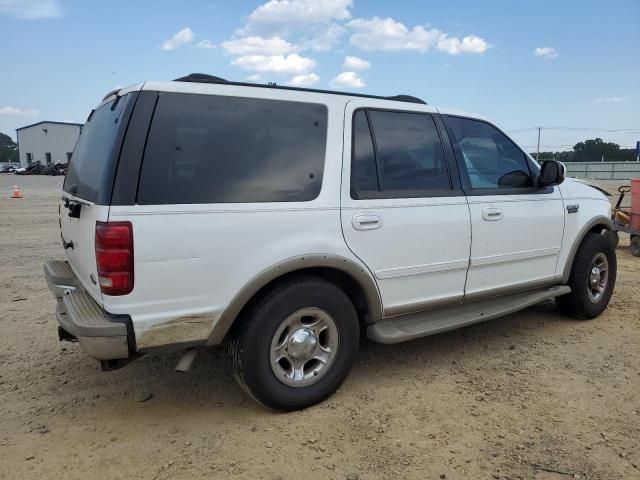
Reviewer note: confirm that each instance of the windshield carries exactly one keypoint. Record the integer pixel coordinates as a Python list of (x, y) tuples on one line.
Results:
[(91, 169)]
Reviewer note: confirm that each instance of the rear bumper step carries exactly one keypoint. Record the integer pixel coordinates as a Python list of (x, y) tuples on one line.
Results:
[(102, 335), (416, 325)]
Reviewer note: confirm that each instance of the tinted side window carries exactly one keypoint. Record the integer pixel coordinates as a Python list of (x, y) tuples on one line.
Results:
[(364, 175), (214, 149), (490, 158), (406, 160), (409, 152)]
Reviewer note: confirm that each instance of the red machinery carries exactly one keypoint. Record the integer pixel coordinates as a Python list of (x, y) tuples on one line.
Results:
[(628, 221)]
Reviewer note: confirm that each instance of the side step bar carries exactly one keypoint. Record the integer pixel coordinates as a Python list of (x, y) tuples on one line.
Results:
[(421, 324)]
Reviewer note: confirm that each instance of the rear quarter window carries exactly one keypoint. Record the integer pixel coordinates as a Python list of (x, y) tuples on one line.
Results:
[(217, 149)]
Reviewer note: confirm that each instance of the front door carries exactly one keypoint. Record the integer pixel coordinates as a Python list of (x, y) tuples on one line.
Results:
[(403, 212), (516, 228)]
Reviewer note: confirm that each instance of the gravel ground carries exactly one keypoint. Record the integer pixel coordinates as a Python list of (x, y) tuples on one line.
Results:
[(533, 395)]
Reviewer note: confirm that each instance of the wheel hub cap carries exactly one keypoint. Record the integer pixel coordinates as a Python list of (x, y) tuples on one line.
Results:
[(598, 277), (594, 277), (302, 344), (303, 347)]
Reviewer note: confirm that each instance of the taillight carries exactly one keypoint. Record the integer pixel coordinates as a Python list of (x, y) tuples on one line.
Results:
[(114, 257)]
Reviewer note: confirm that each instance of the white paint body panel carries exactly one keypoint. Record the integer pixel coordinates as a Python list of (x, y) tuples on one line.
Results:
[(592, 203), (521, 246), (420, 253), (82, 231)]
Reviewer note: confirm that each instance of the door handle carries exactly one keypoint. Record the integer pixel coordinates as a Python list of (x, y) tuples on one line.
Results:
[(492, 214), (366, 221)]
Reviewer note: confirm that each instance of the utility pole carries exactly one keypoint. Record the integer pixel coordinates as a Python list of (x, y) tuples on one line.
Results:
[(538, 151)]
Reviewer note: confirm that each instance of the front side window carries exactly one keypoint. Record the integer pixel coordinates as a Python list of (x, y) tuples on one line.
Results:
[(217, 149), (492, 161), (404, 158)]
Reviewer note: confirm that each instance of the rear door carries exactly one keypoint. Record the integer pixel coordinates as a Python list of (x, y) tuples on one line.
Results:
[(517, 228), (87, 187), (403, 212)]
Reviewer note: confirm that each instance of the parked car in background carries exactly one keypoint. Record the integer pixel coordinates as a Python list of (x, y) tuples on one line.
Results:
[(9, 168), (285, 223)]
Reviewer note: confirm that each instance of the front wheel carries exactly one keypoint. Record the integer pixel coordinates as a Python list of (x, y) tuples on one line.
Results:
[(593, 276), (296, 345)]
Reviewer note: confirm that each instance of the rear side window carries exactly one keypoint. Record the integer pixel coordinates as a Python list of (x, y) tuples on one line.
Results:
[(403, 159), (491, 160), (216, 149), (92, 165)]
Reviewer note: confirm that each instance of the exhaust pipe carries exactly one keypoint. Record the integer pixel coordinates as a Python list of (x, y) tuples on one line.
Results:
[(185, 362)]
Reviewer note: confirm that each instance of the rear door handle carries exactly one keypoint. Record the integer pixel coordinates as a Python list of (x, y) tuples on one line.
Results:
[(492, 214), (366, 221)]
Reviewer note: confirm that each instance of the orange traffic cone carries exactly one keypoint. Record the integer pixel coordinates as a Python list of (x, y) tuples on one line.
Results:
[(16, 192)]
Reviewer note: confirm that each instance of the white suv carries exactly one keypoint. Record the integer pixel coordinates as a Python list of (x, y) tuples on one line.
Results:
[(287, 223)]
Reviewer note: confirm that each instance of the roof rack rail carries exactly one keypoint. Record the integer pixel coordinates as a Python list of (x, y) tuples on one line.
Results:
[(204, 78), (200, 78)]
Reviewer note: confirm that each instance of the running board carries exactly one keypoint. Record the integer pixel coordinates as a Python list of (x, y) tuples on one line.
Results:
[(421, 324)]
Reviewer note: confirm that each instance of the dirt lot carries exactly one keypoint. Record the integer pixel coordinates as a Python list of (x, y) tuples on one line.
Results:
[(532, 395)]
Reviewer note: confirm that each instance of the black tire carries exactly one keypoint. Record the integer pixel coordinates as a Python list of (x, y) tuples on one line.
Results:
[(578, 303), (635, 245), (250, 345), (613, 237)]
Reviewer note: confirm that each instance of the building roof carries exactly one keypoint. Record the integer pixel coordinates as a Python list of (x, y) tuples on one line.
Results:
[(49, 121)]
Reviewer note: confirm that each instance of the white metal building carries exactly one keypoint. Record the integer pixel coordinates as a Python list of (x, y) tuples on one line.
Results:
[(47, 142)]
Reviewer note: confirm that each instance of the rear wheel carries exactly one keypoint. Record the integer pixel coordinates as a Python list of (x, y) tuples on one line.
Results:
[(593, 276), (296, 345)]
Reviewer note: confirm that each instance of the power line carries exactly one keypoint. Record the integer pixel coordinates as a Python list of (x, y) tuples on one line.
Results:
[(579, 129)]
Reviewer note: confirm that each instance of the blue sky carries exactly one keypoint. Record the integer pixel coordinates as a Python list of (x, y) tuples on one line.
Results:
[(552, 63)]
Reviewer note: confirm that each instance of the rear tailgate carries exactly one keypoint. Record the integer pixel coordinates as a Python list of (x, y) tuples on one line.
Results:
[(88, 186), (78, 237)]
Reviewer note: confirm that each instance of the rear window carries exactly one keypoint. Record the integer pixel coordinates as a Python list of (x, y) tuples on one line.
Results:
[(91, 169), (216, 149)]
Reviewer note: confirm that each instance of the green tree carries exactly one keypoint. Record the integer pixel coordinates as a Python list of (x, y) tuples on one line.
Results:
[(593, 150), (8, 149)]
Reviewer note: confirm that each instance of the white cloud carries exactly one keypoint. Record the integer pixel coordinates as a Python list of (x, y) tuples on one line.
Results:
[(455, 46), (255, 45), (347, 80), (388, 34), (20, 112), (611, 99), (31, 9), (355, 63), (183, 37), (256, 77), (276, 14), (314, 23), (304, 80), (205, 44), (292, 64), (323, 37), (545, 52)]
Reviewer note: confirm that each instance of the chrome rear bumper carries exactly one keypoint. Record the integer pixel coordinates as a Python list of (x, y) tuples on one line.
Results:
[(102, 335)]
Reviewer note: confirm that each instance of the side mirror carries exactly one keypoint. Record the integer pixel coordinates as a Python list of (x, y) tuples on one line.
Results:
[(551, 173)]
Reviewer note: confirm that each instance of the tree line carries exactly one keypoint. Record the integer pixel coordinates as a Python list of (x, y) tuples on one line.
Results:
[(8, 149), (592, 150)]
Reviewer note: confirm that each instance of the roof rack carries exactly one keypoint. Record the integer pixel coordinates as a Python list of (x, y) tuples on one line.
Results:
[(204, 78)]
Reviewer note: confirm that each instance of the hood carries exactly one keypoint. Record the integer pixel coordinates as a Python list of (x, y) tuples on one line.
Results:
[(575, 188)]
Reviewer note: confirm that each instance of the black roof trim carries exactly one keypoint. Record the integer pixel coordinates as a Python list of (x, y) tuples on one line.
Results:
[(50, 121), (204, 78)]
